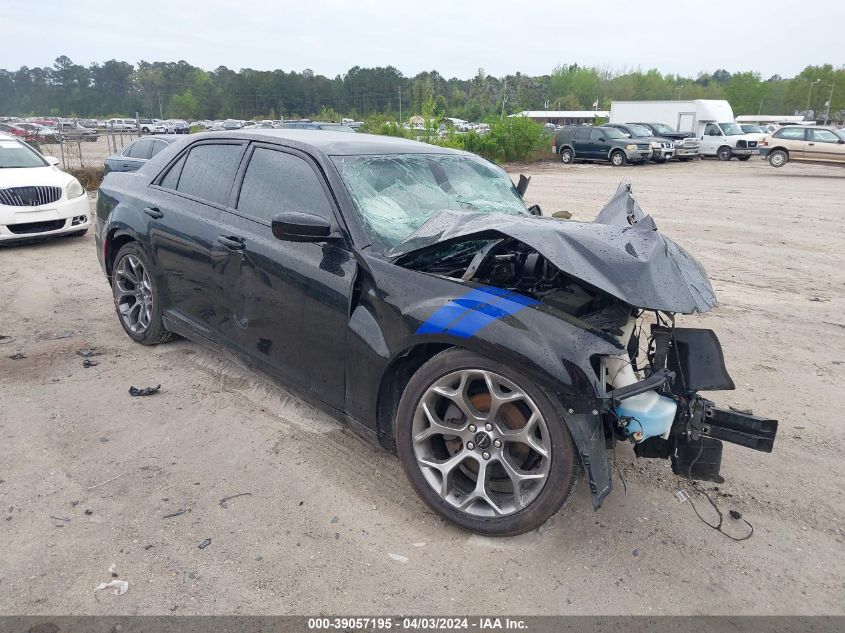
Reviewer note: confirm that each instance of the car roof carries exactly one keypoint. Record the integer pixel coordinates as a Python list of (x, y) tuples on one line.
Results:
[(7, 137), (337, 143)]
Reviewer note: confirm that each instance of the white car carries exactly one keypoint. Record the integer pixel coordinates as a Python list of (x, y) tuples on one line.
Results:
[(37, 199)]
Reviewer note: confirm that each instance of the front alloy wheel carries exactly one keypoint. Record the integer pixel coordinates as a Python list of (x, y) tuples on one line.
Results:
[(481, 450)]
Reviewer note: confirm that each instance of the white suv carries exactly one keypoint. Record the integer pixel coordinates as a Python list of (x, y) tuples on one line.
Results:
[(37, 199)]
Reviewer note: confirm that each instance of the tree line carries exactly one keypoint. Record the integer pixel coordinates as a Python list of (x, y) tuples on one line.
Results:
[(181, 90)]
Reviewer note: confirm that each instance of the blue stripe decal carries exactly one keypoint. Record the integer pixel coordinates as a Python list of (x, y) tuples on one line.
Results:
[(466, 315)]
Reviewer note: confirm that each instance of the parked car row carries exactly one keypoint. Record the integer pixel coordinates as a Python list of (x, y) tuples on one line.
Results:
[(622, 143)]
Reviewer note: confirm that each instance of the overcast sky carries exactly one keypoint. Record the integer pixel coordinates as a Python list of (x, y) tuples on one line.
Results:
[(455, 37)]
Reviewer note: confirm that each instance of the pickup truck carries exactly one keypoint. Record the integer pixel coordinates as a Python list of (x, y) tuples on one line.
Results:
[(585, 142), (686, 144)]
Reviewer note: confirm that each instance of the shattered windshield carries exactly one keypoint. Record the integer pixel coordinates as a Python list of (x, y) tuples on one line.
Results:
[(397, 193)]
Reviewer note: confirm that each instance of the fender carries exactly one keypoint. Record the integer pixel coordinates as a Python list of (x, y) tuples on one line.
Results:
[(391, 333)]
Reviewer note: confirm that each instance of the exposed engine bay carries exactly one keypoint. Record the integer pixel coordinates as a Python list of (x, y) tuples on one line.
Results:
[(628, 286)]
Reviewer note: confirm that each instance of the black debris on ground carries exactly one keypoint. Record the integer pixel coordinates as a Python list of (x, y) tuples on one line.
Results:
[(205, 543), (145, 391), (17, 356), (89, 363)]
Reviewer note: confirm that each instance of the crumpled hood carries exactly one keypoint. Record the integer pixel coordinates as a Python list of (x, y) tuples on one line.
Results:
[(621, 252)]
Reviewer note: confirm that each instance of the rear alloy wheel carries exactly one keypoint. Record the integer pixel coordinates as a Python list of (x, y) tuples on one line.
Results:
[(618, 158), (724, 153), (135, 297), (484, 447), (778, 158), (566, 156)]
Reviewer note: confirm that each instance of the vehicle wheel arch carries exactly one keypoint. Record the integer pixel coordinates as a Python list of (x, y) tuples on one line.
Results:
[(586, 427), (565, 148), (394, 379), (114, 241)]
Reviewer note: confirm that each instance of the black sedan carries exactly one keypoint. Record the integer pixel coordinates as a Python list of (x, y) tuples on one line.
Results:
[(407, 290)]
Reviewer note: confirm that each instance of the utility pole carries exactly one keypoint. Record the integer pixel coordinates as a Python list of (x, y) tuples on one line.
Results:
[(809, 92), (504, 97), (680, 88), (827, 109), (400, 105)]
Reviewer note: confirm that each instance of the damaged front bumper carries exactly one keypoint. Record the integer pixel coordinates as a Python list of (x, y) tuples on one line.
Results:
[(682, 362)]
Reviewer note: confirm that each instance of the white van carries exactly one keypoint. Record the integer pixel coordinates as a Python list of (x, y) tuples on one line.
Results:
[(709, 120)]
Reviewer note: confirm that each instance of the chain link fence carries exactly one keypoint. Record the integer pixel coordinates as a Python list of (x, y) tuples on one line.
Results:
[(85, 150)]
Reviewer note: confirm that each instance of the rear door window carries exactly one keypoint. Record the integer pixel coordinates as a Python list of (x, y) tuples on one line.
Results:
[(583, 133), (209, 172), (276, 181)]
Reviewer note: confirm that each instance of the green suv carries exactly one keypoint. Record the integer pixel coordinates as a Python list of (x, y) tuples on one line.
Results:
[(584, 142)]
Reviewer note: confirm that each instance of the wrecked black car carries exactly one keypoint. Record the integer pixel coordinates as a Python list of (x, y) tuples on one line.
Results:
[(407, 290)]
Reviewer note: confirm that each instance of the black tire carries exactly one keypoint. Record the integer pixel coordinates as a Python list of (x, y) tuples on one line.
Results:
[(567, 156), (685, 159), (155, 332), (724, 153), (564, 468), (618, 158), (778, 158), (743, 158), (78, 233)]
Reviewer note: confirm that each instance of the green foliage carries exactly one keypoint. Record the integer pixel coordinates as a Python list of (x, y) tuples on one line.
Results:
[(185, 91), (184, 106), (510, 139), (329, 114), (382, 124)]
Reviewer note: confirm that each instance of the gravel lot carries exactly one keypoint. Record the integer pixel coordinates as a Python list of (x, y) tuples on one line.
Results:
[(90, 477)]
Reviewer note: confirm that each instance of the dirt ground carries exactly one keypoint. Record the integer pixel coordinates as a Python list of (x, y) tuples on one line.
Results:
[(91, 477)]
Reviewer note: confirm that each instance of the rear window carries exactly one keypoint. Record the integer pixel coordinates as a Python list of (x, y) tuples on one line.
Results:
[(209, 172)]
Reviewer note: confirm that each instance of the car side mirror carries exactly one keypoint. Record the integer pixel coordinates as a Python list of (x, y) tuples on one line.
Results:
[(52, 160), (841, 141), (293, 226), (602, 139)]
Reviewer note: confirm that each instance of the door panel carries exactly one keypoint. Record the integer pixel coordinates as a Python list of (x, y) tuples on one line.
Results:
[(185, 229), (824, 145), (711, 139), (290, 307), (287, 306)]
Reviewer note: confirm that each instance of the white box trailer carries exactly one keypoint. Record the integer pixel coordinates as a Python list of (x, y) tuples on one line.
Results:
[(709, 120)]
